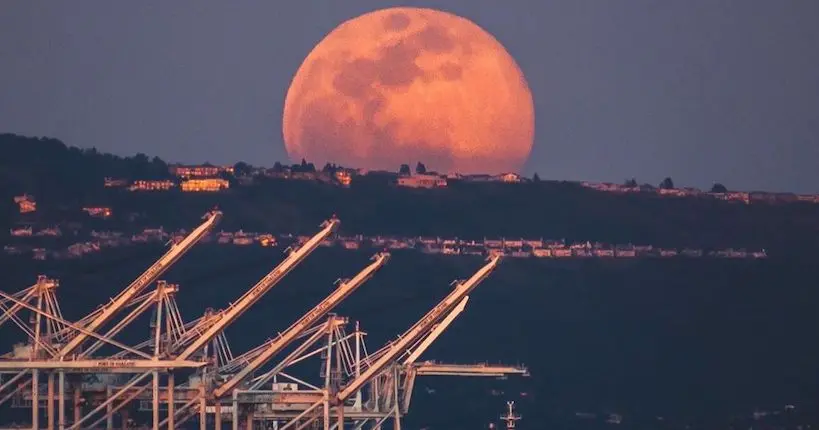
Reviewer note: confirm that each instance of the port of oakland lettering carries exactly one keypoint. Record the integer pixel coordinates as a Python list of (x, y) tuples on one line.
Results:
[(115, 363)]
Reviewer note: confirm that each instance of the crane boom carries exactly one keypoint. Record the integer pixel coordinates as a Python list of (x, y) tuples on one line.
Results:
[(436, 331), (146, 278), (264, 285), (462, 289), (283, 340)]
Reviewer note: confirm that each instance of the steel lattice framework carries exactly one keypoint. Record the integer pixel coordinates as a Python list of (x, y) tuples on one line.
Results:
[(355, 388)]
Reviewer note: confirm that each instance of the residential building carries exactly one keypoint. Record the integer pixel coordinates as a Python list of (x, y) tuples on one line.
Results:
[(422, 181), (198, 171), (603, 186), (115, 183), (344, 177), (98, 211), (50, 231), (21, 231), (736, 196), (511, 178), (143, 185), (207, 185), (26, 203), (39, 253), (478, 178)]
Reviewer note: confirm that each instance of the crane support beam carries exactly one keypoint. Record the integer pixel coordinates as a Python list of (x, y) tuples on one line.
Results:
[(8, 313), (438, 369), (462, 289), (264, 285), (143, 281), (101, 365), (436, 331), (292, 333)]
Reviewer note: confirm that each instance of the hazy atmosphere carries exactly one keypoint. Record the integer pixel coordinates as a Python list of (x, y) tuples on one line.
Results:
[(700, 90)]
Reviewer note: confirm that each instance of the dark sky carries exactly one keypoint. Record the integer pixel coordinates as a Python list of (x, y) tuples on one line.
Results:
[(699, 90)]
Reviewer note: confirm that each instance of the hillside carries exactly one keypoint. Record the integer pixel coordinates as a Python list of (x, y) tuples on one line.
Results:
[(682, 339), (63, 179), (691, 340)]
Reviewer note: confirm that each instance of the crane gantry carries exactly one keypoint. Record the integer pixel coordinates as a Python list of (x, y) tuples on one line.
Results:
[(394, 350), (227, 316), (377, 373), (344, 289), (228, 383), (176, 251)]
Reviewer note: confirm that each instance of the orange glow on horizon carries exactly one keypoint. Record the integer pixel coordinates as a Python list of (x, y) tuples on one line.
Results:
[(402, 85)]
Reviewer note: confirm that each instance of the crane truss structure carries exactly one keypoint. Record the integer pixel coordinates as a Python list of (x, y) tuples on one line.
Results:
[(355, 388)]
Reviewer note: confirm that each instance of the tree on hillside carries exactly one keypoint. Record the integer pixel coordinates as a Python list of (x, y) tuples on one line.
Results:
[(420, 168), (535, 177), (404, 170), (304, 166), (719, 188), (667, 184), (242, 169), (143, 159), (631, 183)]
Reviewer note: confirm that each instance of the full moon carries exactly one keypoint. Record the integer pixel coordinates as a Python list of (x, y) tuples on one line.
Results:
[(403, 85)]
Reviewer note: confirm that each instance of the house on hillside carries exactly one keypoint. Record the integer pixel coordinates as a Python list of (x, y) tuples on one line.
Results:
[(607, 187), (21, 231), (26, 203), (343, 177), (732, 196), (422, 181), (478, 178), (510, 178), (98, 211), (115, 183), (49, 232), (198, 171), (204, 185), (144, 185)]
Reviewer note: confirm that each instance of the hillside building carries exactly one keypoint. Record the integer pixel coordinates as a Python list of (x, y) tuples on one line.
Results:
[(26, 203), (205, 185), (422, 181), (198, 171), (142, 185)]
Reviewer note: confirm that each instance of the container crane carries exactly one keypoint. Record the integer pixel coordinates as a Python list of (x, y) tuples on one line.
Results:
[(176, 251), (305, 322), (423, 326), (227, 316), (27, 295), (410, 368)]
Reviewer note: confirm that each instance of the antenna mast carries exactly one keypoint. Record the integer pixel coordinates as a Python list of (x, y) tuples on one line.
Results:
[(511, 418)]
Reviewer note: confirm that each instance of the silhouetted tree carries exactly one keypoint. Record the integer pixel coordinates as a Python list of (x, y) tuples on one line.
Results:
[(242, 169), (535, 177), (304, 166), (143, 159), (631, 183), (404, 170), (719, 188), (667, 184), (420, 168)]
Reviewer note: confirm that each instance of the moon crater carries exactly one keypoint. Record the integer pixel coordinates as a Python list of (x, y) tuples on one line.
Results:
[(403, 85)]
